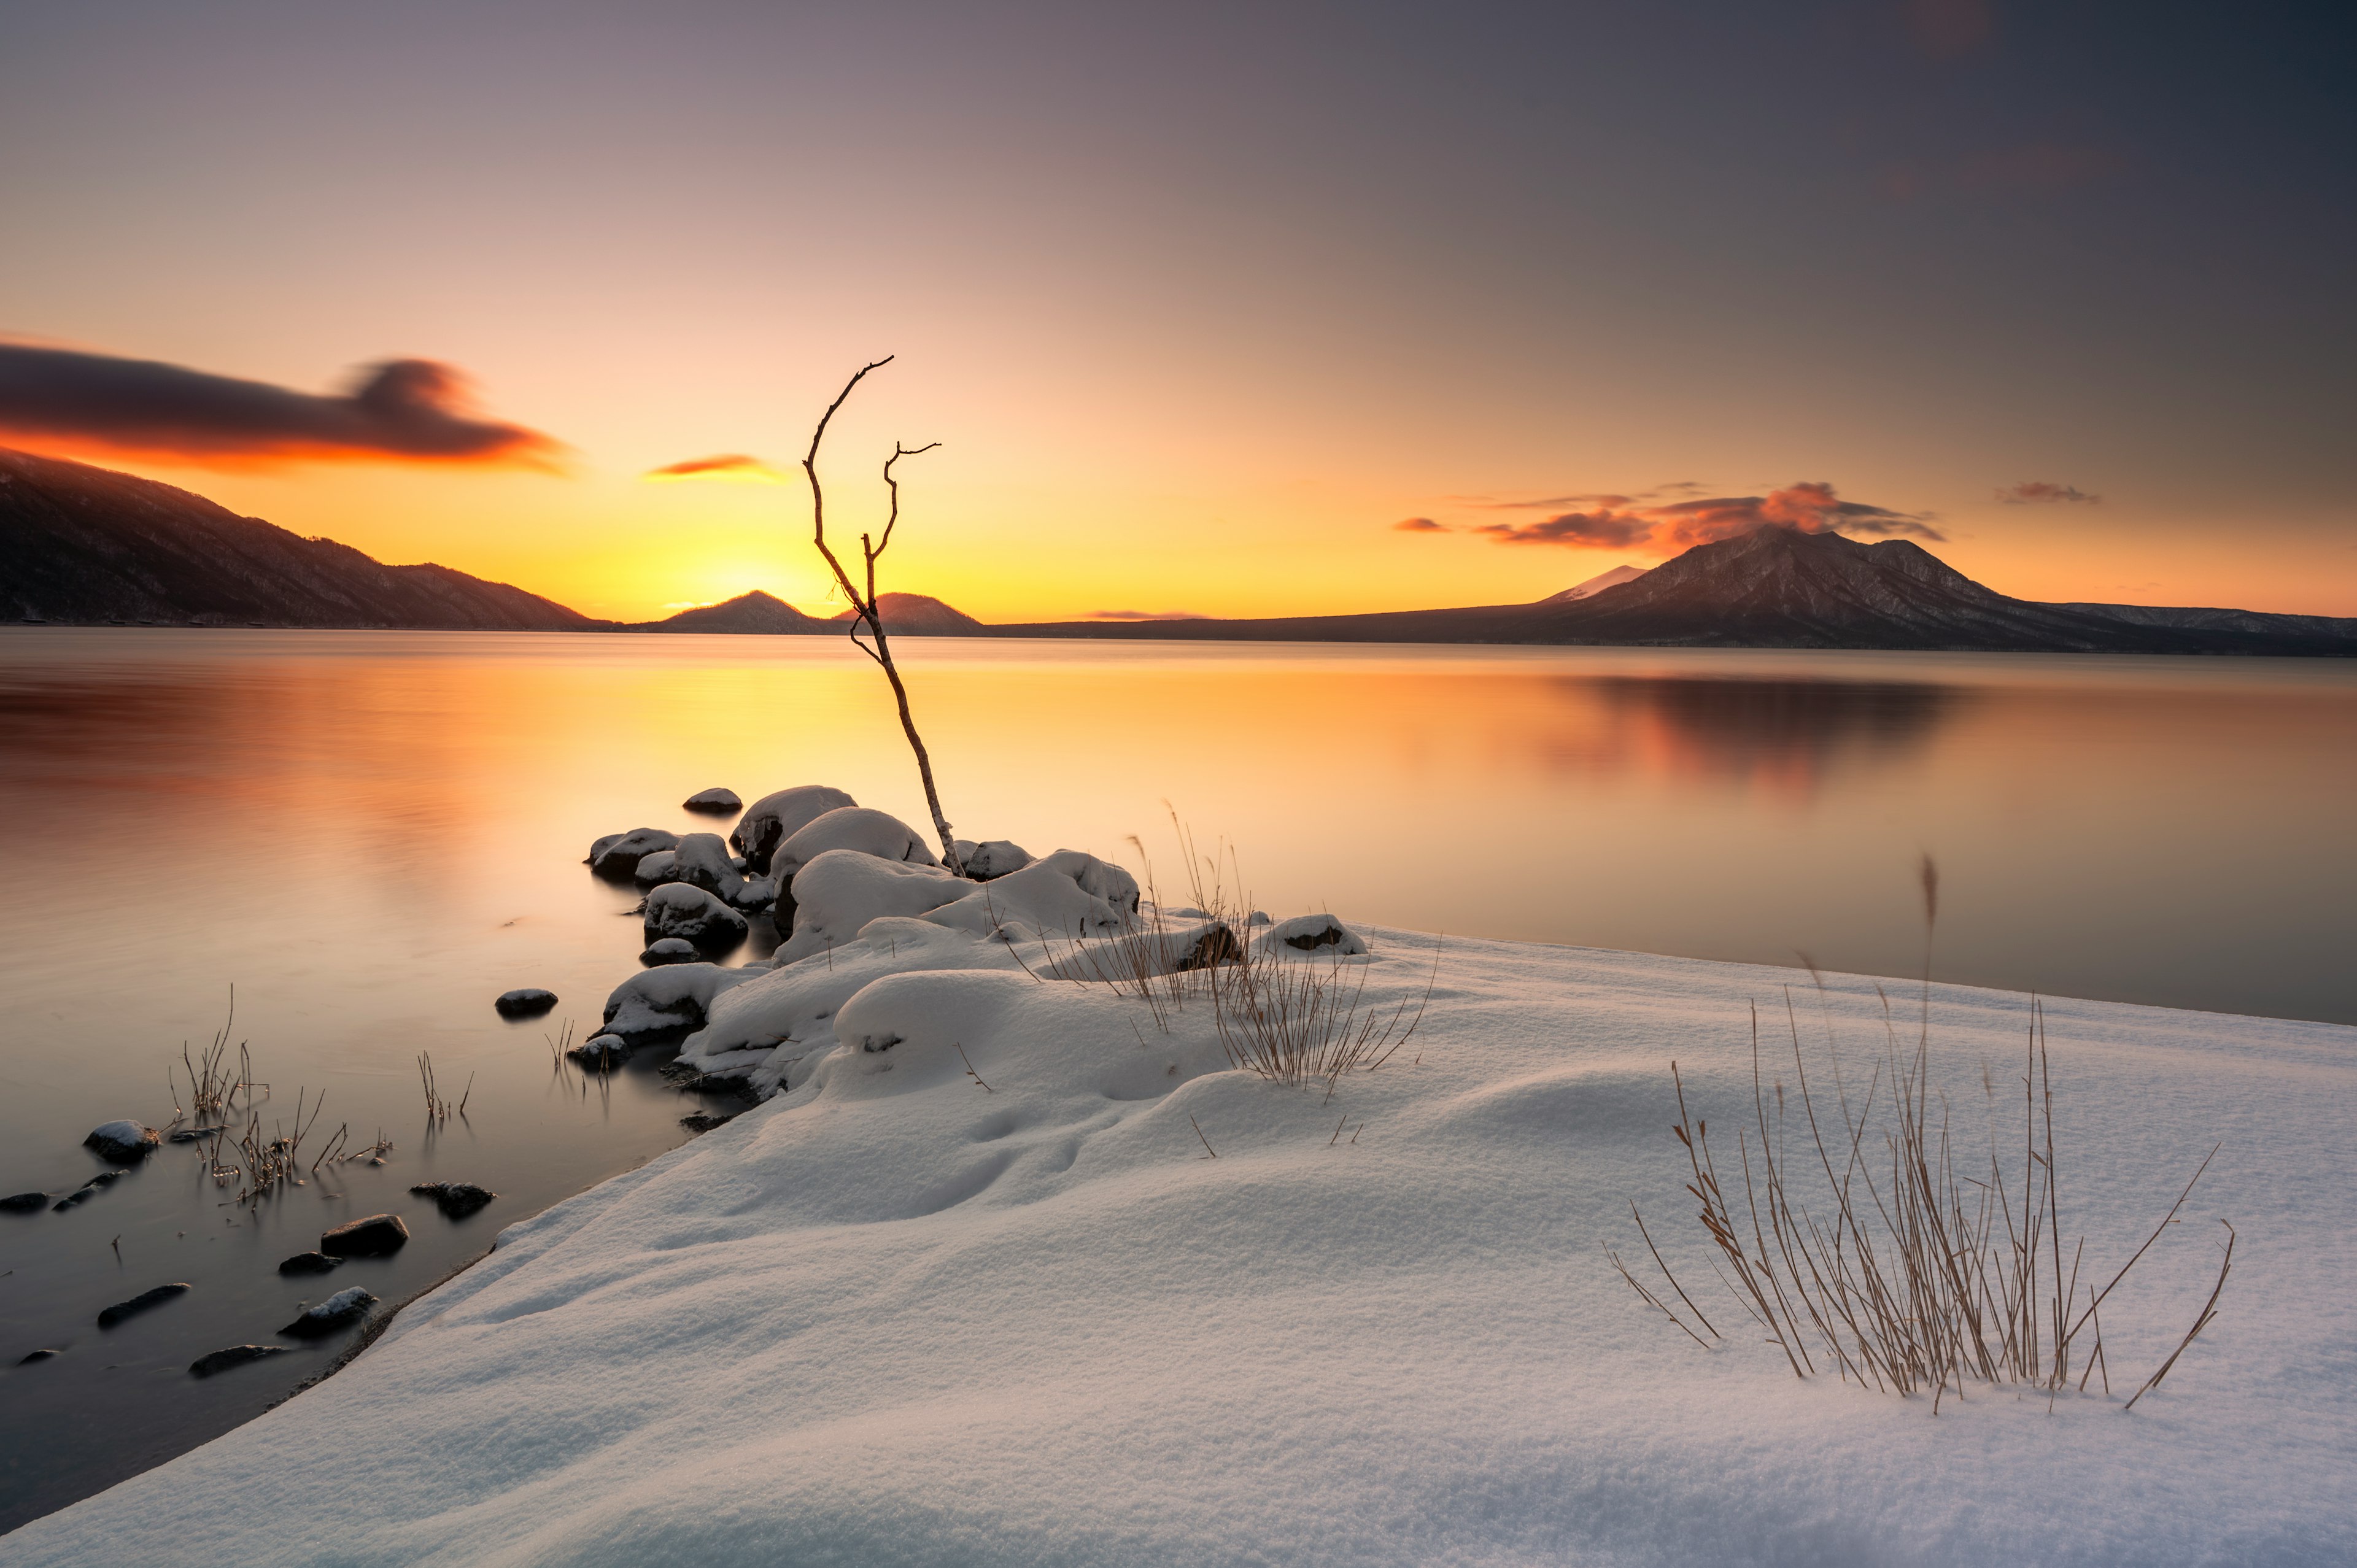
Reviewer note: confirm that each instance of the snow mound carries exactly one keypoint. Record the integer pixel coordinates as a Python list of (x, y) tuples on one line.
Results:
[(773, 819), (1012, 1274), (1321, 934), (859, 828), (839, 891)]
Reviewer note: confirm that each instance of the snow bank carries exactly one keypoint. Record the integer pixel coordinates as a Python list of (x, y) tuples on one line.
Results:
[(895, 1315)]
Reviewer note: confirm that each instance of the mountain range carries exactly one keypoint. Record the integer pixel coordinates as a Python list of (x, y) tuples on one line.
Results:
[(80, 544)]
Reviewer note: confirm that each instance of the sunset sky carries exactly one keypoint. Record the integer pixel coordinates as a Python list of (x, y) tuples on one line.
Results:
[(1205, 302)]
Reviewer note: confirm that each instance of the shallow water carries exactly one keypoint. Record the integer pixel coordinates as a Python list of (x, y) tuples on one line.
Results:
[(372, 834)]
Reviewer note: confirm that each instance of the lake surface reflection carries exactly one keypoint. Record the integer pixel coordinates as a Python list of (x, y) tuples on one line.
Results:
[(372, 834)]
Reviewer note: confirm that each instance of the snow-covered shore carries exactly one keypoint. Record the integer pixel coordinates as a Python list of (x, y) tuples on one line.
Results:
[(893, 1316)]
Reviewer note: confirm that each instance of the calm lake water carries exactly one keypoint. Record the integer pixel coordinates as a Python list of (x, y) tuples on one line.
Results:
[(372, 834)]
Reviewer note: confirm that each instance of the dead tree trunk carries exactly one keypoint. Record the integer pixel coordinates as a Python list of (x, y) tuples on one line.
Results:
[(864, 611)]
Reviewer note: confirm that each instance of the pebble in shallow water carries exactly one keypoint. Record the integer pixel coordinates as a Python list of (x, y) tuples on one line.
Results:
[(205, 1366)]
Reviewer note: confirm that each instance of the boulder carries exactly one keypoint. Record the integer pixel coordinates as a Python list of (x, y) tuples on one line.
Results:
[(658, 868), (992, 858), (618, 854), (141, 1303), (41, 1354), (205, 1366), (24, 1202), (600, 1053), (716, 800), (838, 892), (860, 829), (124, 1141), (675, 997), (703, 861), (755, 894), (345, 1306), (693, 914), (457, 1200), (1310, 934), (670, 950), (773, 819), (378, 1236), (529, 1002), (309, 1264)]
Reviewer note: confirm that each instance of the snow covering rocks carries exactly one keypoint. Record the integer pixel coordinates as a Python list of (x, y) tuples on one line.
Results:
[(716, 800), (618, 854), (345, 1306), (600, 1053), (677, 910), (703, 861), (529, 1001), (143, 1302), (891, 1317), (842, 889), (205, 1366), (127, 1142), (991, 858), (1312, 934), (773, 819), (655, 869), (855, 827), (657, 1002), (670, 950), (378, 1236), (457, 1200)]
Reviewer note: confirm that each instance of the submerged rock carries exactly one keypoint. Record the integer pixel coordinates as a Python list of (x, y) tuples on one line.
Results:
[(205, 1366), (693, 914), (191, 1134), (141, 1303), (457, 1200), (717, 801), (526, 1001), (618, 854), (343, 1307), (376, 1236), (24, 1202), (670, 949), (124, 1141), (773, 819), (601, 1053), (309, 1264)]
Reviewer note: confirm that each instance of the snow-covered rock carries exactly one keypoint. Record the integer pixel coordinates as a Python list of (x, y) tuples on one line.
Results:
[(124, 1141), (618, 854), (703, 862), (773, 819), (600, 1053), (657, 868), (717, 801), (676, 996), (527, 1001), (895, 1315), (860, 829), (991, 858), (841, 890), (1070, 895), (677, 910), (671, 949), (754, 894), (1322, 934), (345, 1306)]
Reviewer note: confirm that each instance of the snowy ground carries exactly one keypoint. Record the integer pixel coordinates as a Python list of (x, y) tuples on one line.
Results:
[(892, 1317)]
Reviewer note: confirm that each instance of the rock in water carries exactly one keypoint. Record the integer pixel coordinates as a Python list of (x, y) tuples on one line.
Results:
[(703, 861), (658, 868), (719, 802), (42, 1355), (618, 854), (859, 828), (527, 1001), (693, 914), (670, 950), (124, 1141), (773, 819), (601, 1053), (235, 1355), (457, 1200), (141, 1303), (24, 1202), (344, 1306), (309, 1264), (376, 1236)]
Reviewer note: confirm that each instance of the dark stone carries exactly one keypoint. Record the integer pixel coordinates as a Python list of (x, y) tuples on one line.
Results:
[(457, 1200), (124, 1141), (24, 1202), (529, 1002), (104, 1178), (705, 1121), (616, 855), (376, 1236), (191, 1134), (602, 1054), (140, 1303), (344, 1306), (79, 1194), (670, 950), (37, 1356), (309, 1264), (235, 1355), (716, 802), (1310, 941)]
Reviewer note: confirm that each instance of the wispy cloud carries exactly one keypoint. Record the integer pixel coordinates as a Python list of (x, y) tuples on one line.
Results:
[(721, 466), (2037, 492), (402, 411), (1619, 522), (1420, 525), (1601, 529)]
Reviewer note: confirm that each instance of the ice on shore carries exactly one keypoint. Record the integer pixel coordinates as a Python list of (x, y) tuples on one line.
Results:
[(1009, 1274)]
